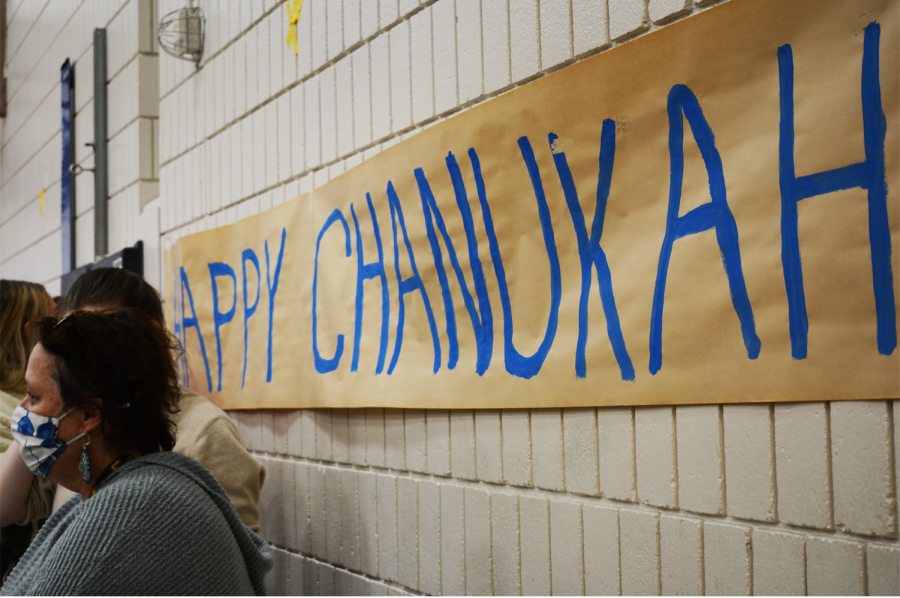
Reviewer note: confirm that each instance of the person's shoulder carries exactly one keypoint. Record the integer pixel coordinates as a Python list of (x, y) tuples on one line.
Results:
[(8, 402), (146, 473), (152, 481), (199, 418), (161, 500), (195, 408)]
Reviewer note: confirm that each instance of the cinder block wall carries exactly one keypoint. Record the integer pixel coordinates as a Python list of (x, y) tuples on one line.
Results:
[(713, 499), (734, 499)]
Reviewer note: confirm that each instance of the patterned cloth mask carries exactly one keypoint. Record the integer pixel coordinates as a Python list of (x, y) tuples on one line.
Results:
[(37, 439)]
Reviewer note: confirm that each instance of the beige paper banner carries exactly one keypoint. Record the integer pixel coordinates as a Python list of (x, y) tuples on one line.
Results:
[(691, 147)]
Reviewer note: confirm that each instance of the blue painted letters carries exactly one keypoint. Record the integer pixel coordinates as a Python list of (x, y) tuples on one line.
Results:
[(409, 285), (868, 175), (714, 214), (193, 322), (217, 269), (273, 288), (589, 251), (516, 363), (366, 272), (249, 255), (483, 325), (323, 366)]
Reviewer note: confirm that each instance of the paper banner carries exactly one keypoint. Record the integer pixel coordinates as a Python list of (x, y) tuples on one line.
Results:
[(707, 214)]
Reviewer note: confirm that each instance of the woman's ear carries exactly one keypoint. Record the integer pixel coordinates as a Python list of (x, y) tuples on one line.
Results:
[(91, 415)]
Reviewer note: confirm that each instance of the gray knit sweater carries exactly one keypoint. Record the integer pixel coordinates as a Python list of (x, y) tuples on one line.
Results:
[(159, 525)]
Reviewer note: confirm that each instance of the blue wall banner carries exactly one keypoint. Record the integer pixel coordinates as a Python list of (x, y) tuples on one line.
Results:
[(67, 186), (706, 214)]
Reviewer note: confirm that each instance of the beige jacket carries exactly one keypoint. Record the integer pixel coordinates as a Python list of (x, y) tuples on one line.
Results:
[(207, 435), (41, 493)]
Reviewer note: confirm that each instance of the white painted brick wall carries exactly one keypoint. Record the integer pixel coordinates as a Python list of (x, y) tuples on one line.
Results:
[(317, 13), (639, 548), (356, 431), (401, 86), (394, 439), (750, 461), (701, 465), (416, 456), (762, 498), (590, 29), (495, 19), (835, 567), (368, 526), (340, 440), (661, 10), (368, 18), (535, 542), (861, 442), (335, 33), (430, 537), (626, 17), (657, 482), (566, 548), (408, 532), (328, 107), (516, 447), (309, 433), (479, 573), (438, 439), (468, 49), (505, 547), (580, 448), (547, 437), (446, 93), (318, 516), (601, 550), (779, 564), (387, 527), (681, 556), (556, 32), (344, 99), (883, 569), (453, 540), (525, 49), (488, 446), (380, 72), (333, 515), (350, 508), (617, 458), (462, 443), (375, 432), (727, 560), (803, 464)]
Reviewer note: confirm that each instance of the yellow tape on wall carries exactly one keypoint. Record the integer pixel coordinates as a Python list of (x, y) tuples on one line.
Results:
[(706, 214)]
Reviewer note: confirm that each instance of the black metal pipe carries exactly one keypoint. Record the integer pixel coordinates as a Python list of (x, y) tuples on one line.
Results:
[(101, 154)]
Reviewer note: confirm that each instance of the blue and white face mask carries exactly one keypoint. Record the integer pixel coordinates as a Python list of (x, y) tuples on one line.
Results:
[(36, 436)]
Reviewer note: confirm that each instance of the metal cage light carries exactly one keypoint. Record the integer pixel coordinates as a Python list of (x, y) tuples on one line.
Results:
[(182, 33)]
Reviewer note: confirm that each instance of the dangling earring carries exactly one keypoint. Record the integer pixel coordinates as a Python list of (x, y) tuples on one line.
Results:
[(84, 464)]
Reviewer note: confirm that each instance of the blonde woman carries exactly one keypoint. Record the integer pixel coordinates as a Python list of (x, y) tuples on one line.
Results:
[(22, 304)]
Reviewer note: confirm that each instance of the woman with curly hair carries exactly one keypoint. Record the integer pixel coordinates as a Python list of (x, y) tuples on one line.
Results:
[(97, 419)]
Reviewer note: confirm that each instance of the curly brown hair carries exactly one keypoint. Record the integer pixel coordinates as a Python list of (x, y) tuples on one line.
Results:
[(125, 359)]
